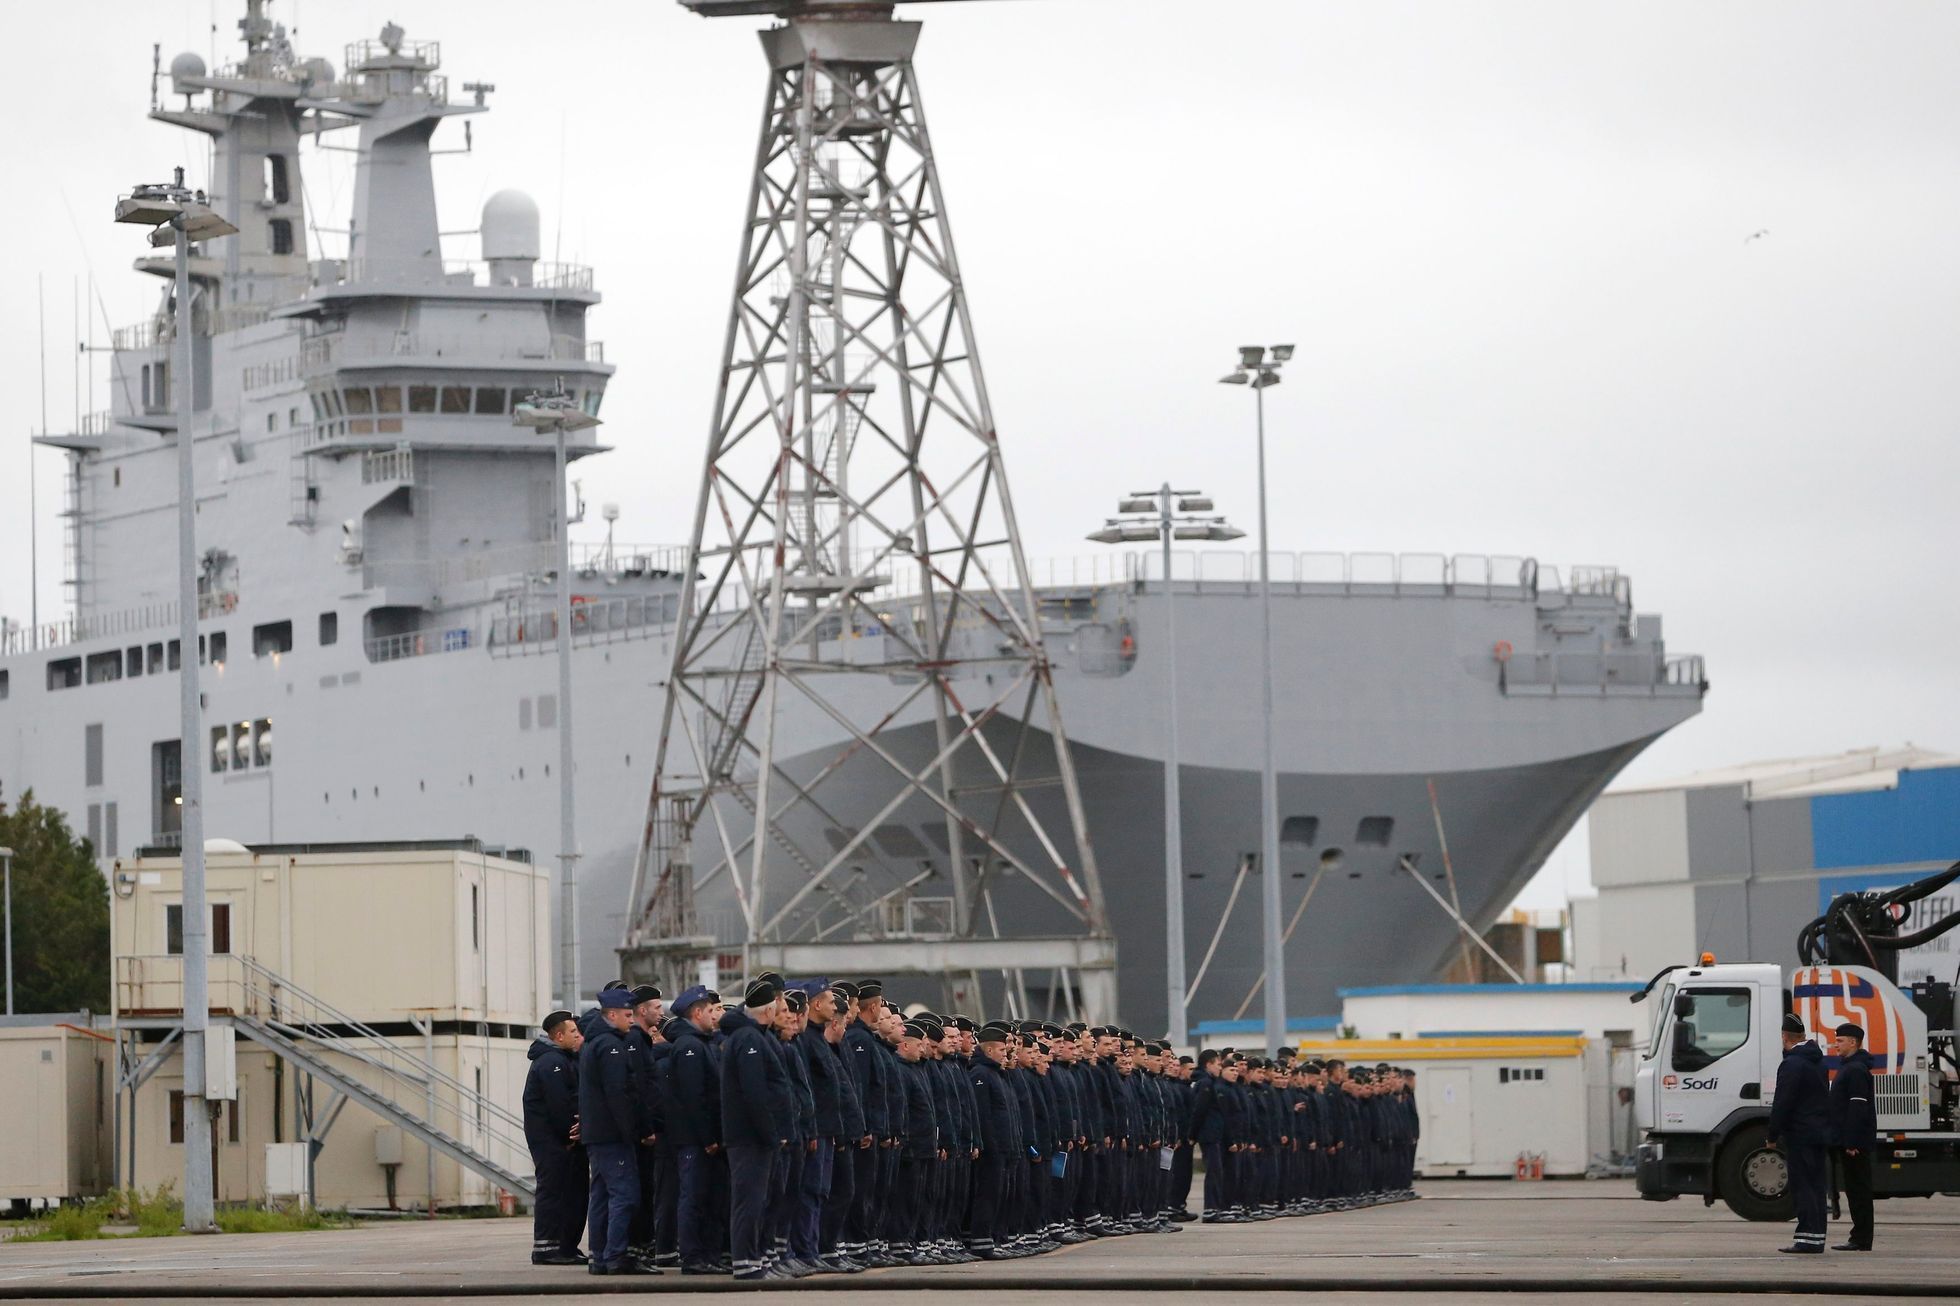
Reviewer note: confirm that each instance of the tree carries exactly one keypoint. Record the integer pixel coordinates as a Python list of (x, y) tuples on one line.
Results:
[(61, 912)]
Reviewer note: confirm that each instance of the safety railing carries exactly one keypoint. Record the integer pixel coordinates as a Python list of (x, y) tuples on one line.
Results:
[(15, 639), (1560, 673), (545, 275), (324, 352)]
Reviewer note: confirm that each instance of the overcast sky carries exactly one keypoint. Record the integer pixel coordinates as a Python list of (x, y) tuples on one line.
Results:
[(1509, 239)]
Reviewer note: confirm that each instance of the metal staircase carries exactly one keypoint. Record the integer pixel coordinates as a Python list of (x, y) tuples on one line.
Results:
[(398, 1084)]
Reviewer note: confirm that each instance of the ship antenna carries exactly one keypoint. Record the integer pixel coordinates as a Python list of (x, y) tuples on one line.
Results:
[(156, 71)]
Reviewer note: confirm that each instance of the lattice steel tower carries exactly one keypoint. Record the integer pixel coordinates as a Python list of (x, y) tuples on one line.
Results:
[(859, 579)]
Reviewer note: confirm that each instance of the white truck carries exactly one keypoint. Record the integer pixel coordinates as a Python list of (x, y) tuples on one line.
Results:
[(1702, 1095)]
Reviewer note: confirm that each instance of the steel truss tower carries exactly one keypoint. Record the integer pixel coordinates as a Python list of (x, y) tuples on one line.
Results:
[(859, 569)]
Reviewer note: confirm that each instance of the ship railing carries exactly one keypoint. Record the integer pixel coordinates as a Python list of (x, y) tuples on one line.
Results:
[(447, 272), (324, 352), (419, 643), (370, 51), (143, 335), (628, 560), (18, 639), (1565, 673), (597, 621)]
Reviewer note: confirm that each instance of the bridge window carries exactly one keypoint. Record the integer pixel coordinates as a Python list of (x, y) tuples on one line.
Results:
[(489, 399), (455, 399)]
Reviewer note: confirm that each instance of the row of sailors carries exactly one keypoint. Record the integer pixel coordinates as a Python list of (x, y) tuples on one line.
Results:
[(813, 1128)]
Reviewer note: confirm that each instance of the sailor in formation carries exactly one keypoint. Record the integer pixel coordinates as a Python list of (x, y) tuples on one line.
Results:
[(1285, 1136), (810, 1127)]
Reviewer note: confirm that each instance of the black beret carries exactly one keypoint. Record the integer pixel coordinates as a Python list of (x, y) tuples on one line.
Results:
[(554, 1020), (993, 1032), (1184, 1061), (771, 977), (1077, 1027), (871, 988), (760, 993), (613, 984), (913, 1029), (1791, 1024), (844, 989), (964, 1024), (1850, 1030), (936, 1033), (644, 993), (797, 999), (1052, 1030), (670, 1028)]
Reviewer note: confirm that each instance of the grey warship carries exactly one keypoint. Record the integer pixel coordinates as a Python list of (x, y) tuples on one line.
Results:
[(377, 547)]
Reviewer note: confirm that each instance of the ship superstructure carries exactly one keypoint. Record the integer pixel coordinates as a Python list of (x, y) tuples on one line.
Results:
[(376, 582)]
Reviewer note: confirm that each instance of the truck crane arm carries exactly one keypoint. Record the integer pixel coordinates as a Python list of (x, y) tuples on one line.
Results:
[(1862, 928)]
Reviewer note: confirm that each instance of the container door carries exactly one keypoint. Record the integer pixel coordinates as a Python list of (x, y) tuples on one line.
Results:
[(1446, 1117)]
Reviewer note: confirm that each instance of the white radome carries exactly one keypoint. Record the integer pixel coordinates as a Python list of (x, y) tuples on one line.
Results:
[(510, 226)]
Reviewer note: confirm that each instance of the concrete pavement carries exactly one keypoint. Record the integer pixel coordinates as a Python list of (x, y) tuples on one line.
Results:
[(1468, 1238)]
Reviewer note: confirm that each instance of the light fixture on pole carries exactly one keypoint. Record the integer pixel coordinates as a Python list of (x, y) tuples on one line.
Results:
[(556, 412), (1156, 516), (7, 869), (179, 217), (1260, 370)]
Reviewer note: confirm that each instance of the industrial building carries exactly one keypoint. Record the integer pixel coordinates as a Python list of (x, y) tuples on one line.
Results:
[(1737, 861), (370, 1005)]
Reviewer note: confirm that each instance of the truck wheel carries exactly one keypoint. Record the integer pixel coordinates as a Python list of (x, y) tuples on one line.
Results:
[(1753, 1178)]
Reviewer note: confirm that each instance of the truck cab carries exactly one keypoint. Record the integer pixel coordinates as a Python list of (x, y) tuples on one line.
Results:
[(1702, 1093)]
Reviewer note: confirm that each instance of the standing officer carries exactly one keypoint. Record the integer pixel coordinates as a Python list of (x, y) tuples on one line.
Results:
[(1800, 1125), (756, 1119), (1854, 1131), (648, 1048), (691, 1075), (551, 1129), (609, 1124)]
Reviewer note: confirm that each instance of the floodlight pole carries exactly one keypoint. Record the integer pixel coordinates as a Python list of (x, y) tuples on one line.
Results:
[(7, 870), (1269, 887), (1179, 1034), (567, 815), (199, 1207)]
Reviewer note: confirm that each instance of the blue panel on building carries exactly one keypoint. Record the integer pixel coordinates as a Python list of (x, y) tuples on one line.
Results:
[(1917, 822)]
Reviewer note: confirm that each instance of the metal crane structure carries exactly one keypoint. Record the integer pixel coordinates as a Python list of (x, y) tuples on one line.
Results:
[(858, 572)]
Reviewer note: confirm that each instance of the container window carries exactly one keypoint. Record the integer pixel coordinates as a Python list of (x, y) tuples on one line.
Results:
[(176, 1115), (221, 929), (173, 929)]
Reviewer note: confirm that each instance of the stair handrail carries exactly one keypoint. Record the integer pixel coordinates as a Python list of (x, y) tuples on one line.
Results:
[(279, 989)]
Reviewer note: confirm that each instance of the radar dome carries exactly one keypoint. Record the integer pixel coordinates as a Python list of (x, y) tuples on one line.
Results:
[(224, 846), (185, 65), (318, 71), (510, 226)]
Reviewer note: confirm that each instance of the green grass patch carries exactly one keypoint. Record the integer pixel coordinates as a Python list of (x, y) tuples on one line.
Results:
[(158, 1214)]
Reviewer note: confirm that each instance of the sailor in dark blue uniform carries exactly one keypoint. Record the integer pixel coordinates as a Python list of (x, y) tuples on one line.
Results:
[(648, 1046), (610, 1126), (551, 1130), (691, 1076), (757, 1116), (1800, 1127), (1854, 1131)]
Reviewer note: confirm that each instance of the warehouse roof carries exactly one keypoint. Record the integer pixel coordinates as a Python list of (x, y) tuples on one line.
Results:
[(1801, 777)]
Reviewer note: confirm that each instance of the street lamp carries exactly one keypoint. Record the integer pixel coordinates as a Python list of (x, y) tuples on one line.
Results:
[(7, 869), (556, 412), (1157, 517), (1260, 371), (177, 217)]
